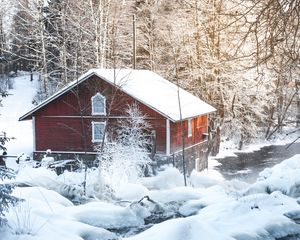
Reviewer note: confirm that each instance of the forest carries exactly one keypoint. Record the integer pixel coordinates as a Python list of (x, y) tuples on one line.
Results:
[(241, 56)]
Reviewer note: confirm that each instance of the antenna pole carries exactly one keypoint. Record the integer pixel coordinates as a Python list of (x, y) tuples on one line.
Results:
[(134, 42)]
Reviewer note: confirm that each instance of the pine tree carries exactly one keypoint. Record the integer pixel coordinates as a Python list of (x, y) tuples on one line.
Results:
[(6, 199)]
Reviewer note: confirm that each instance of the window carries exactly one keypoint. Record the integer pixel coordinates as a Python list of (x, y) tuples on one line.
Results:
[(190, 128), (98, 105), (98, 129)]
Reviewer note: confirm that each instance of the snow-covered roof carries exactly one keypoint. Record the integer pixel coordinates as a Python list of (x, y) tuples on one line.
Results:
[(148, 88)]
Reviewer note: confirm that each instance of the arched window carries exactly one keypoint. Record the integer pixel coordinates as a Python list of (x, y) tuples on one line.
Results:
[(98, 105)]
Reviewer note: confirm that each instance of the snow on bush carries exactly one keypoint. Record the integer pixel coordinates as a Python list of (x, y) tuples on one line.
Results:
[(125, 158), (46, 161)]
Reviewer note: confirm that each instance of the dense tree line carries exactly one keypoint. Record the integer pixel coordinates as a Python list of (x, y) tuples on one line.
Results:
[(240, 56)]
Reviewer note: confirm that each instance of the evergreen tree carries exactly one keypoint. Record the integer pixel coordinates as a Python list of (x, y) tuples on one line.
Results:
[(6, 199)]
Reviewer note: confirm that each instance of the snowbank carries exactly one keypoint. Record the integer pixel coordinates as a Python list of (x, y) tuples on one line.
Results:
[(284, 177), (210, 208), (45, 215), (206, 178), (169, 178), (19, 101), (179, 229), (108, 215)]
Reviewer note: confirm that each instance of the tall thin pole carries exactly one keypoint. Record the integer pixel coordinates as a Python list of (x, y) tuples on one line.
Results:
[(134, 43), (181, 125), (182, 135)]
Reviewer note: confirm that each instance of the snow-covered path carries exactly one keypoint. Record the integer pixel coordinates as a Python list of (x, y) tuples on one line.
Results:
[(15, 105)]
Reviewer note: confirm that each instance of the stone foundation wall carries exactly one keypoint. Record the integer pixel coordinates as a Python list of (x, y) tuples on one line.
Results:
[(196, 157)]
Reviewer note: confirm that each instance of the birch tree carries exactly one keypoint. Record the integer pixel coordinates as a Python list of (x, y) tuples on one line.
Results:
[(243, 58), (272, 28)]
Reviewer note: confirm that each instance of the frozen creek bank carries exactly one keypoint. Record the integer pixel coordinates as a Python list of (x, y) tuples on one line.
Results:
[(247, 165), (207, 209)]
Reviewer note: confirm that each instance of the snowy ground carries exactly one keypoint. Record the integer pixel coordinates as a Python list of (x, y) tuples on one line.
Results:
[(14, 106), (208, 208)]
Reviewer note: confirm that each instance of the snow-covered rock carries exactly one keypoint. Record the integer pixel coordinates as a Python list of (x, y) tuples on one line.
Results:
[(283, 177), (182, 228), (166, 179), (107, 215)]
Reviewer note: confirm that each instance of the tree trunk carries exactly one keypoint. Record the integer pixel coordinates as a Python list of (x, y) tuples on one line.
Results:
[(298, 103)]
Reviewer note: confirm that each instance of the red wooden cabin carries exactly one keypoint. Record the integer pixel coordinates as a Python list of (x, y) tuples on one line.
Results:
[(73, 119)]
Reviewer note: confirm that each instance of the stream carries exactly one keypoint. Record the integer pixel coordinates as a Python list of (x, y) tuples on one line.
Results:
[(247, 165)]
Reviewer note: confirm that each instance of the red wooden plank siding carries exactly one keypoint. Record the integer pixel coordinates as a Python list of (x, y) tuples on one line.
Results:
[(199, 126), (59, 134), (58, 126)]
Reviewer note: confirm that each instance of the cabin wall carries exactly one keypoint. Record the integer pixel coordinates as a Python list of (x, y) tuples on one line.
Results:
[(199, 127), (62, 134), (66, 123)]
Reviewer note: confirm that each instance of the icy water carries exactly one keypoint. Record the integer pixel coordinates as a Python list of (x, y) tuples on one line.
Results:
[(246, 166)]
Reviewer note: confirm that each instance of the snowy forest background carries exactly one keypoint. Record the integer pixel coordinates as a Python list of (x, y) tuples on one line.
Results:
[(240, 56)]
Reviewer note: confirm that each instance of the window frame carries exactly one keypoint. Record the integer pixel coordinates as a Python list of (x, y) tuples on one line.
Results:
[(98, 95), (190, 127), (93, 131)]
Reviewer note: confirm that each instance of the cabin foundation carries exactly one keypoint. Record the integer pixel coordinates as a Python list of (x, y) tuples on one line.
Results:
[(196, 157)]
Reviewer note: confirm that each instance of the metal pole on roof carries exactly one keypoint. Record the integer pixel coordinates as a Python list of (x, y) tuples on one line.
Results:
[(182, 127), (182, 135), (134, 43)]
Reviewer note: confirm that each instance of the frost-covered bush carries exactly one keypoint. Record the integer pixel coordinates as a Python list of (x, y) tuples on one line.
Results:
[(125, 158), (6, 199), (3, 140)]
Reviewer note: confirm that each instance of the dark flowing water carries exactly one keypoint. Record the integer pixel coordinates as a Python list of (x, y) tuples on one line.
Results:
[(246, 166)]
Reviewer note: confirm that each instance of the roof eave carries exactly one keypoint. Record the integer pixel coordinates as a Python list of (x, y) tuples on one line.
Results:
[(25, 117), (28, 115), (186, 118)]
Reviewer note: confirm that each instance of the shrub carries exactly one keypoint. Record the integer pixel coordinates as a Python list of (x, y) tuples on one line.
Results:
[(6, 199)]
